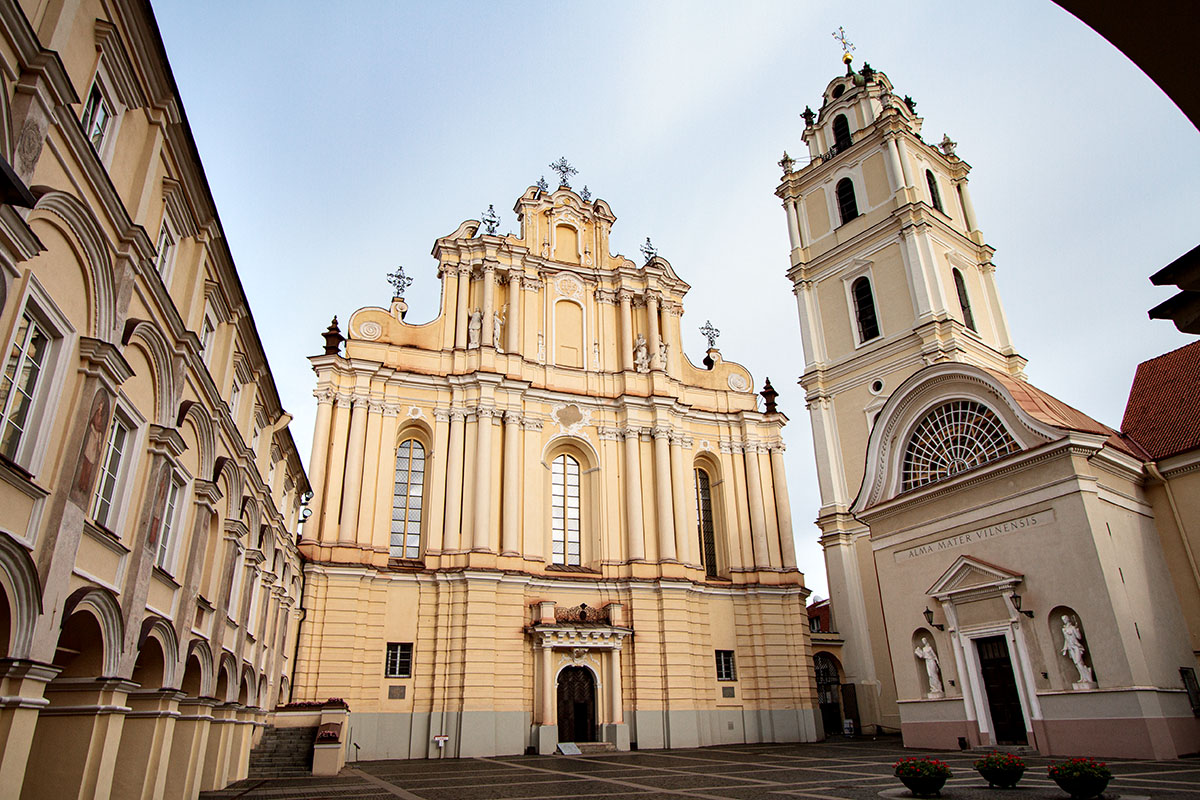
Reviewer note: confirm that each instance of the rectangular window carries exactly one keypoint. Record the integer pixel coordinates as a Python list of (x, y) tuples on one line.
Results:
[(725, 668), (565, 512), (166, 246), (207, 331), (1193, 688), (97, 115), (399, 660), (110, 473), (169, 523), (20, 383)]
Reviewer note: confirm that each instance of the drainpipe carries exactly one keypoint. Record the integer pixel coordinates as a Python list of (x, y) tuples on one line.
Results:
[(1153, 471)]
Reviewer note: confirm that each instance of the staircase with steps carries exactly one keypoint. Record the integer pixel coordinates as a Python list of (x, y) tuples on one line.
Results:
[(283, 753)]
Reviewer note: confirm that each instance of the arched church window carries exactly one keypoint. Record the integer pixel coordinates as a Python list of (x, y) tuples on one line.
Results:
[(841, 133), (847, 205), (964, 301), (935, 196), (565, 510), (406, 500), (705, 524), (864, 309), (953, 438)]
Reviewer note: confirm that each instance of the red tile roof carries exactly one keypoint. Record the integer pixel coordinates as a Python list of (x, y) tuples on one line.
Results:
[(1052, 411), (1163, 412)]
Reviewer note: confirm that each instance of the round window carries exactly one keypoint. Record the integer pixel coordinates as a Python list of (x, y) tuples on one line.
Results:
[(838, 91)]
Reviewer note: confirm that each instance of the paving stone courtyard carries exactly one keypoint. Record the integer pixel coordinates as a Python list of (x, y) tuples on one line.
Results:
[(836, 769)]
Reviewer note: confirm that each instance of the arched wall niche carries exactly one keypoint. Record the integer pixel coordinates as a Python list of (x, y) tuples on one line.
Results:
[(149, 339), (570, 347), (1069, 636), (157, 643), (929, 671), (566, 243), (585, 456), (84, 608), (201, 655), (22, 597)]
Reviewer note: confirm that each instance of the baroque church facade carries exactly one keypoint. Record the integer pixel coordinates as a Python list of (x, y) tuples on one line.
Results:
[(536, 520), (998, 561)]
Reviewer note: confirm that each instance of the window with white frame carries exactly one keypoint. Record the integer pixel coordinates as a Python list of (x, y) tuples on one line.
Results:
[(208, 330), (565, 512), (169, 524), (407, 496), (113, 468), (98, 113), (705, 523), (399, 660), (165, 247), (726, 670), (22, 382)]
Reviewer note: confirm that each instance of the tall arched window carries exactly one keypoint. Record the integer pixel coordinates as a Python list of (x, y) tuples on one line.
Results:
[(935, 196), (952, 438), (864, 309), (847, 206), (565, 514), (841, 133), (964, 301), (705, 524), (406, 500)]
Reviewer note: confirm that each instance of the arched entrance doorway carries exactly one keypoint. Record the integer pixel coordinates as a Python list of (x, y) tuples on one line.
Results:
[(828, 691), (576, 705)]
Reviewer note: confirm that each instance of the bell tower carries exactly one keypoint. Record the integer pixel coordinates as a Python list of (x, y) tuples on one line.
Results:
[(891, 274)]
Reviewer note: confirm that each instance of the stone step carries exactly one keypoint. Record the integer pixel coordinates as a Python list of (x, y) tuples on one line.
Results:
[(586, 748)]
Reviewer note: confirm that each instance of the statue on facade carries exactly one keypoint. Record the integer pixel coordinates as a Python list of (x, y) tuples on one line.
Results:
[(641, 357), (497, 331), (662, 354), (932, 669), (475, 328), (1073, 648)]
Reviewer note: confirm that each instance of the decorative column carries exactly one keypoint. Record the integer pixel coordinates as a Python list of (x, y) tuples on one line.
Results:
[(380, 535), (895, 173), (452, 539), (662, 492), (373, 464), (625, 296), (352, 480), (758, 517), (512, 326), (614, 685), (320, 452), (679, 494), (437, 499), (783, 507), (655, 336), (905, 170), (793, 223), (332, 503), (532, 542), (482, 524), (489, 305), (462, 313), (549, 706), (510, 536), (968, 207), (633, 495)]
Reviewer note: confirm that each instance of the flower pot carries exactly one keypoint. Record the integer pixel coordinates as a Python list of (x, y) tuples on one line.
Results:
[(1001, 777), (1081, 787), (924, 785)]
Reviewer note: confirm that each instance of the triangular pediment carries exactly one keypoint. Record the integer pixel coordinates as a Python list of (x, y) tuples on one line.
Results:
[(972, 573)]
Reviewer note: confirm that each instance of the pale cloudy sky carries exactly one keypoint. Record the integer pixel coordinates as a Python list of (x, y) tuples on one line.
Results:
[(341, 139)]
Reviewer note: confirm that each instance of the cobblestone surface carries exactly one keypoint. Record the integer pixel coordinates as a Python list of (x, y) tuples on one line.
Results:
[(833, 770)]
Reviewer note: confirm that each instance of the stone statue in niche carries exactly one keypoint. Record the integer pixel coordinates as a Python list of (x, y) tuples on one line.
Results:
[(641, 356), (662, 354), (497, 331), (1073, 649), (932, 669), (475, 328), (541, 354)]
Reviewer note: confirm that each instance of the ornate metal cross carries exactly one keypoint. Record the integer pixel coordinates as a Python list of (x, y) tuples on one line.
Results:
[(585, 195), (541, 184), (399, 282), (491, 220), (649, 251), (564, 170), (847, 45), (710, 333)]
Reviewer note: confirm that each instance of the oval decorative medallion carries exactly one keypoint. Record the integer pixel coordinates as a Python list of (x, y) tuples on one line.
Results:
[(370, 331), (569, 286), (738, 382)]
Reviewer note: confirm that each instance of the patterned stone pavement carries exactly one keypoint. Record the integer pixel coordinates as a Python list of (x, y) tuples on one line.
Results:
[(833, 770)]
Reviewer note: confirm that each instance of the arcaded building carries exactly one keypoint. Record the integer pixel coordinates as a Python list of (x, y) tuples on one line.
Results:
[(536, 520), (149, 485), (1003, 569)]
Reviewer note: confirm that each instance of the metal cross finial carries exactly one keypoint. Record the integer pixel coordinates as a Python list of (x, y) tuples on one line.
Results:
[(585, 195), (564, 170), (541, 184), (649, 251), (399, 282), (491, 220), (847, 45), (710, 333)]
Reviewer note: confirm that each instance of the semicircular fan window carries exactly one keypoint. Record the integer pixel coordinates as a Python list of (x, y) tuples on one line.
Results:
[(952, 438)]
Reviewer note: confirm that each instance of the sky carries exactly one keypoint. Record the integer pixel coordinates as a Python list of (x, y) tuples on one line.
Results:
[(341, 139)]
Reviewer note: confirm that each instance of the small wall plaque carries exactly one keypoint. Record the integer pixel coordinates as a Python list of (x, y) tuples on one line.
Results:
[(727, 691), (568, 748), (396, 692)]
